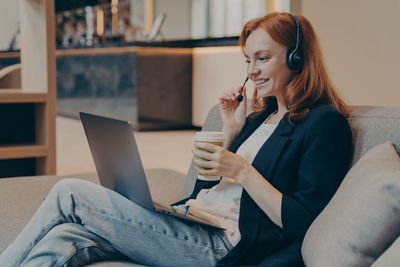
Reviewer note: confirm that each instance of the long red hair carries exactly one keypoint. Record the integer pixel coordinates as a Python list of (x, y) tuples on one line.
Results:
[(311, 84)]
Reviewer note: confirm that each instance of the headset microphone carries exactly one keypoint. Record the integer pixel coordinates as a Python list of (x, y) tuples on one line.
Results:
[(239, 98)]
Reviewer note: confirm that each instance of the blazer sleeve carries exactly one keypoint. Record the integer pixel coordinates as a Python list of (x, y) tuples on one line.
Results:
[(327, 149)]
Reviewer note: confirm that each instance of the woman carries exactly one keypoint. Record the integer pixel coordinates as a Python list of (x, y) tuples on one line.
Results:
[(280, 166)]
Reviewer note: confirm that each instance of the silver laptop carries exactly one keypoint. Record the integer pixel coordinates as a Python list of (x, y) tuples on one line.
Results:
[(118, 163)]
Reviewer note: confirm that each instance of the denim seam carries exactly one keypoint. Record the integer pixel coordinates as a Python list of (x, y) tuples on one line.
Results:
[(158, 232), (40, 237), (108, 213), (79, 246)]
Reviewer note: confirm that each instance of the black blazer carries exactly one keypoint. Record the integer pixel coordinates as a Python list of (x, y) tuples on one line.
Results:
[(306, 162)]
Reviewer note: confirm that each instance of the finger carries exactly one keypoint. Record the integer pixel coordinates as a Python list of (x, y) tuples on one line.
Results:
[(240, 90), (226, 98), (227, 93), (207, 146), (244, 94), (205, 172), (228, 105), (199, 170), (232, 93), (230, 102), (204, 164), (224, 101), (200, 153)]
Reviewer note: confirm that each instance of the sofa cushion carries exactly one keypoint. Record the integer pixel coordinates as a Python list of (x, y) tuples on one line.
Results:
[(21, 196), (363, 218)]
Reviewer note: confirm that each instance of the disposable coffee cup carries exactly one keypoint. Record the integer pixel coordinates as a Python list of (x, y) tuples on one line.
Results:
[(215, 138)]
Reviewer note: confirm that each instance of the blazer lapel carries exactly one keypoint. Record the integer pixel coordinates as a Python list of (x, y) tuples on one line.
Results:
[(265, 162), (267, 157), (270, 151), (250, 128)]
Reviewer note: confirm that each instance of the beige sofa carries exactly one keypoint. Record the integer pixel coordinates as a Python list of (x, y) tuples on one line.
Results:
[(371, 126)]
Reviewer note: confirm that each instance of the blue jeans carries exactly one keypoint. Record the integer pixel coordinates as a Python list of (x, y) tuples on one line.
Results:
[(81, 222)]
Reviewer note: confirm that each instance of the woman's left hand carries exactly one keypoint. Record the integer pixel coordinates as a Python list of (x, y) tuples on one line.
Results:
[(218, 161)]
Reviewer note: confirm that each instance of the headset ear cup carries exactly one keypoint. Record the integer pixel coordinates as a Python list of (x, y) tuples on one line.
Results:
[(295, 60)]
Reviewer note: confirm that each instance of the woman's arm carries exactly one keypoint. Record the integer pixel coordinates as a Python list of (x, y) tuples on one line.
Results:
[(323, 164), (266, 196), (222, 162), (233, 113)]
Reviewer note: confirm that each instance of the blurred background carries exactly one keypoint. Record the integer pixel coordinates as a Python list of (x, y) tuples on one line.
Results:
[(162, 63)]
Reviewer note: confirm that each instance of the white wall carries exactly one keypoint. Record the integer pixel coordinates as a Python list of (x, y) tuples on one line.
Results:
[(215, 69), (199, 19), (176, 25), (177, 21), (9, 16), (360, 40)]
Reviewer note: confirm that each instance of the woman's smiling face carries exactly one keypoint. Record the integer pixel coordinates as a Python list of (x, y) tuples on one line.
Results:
[(267, 66)]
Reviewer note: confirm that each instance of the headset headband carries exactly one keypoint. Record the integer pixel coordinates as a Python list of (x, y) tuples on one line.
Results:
[(295, 57), (298, 31)]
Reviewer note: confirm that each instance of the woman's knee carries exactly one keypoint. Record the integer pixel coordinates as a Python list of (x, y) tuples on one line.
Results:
[(69, 186)]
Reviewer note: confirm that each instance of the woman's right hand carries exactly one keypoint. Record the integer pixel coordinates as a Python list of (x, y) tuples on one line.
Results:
[(233, 113)]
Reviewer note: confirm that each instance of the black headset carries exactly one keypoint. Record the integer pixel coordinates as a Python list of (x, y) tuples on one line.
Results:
[(295, 57)]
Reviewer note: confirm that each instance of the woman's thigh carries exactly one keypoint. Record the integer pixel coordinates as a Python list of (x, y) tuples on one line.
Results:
[(145, 236)]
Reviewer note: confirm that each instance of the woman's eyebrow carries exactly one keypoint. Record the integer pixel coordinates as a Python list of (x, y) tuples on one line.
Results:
[(262, 51), (258, 53)]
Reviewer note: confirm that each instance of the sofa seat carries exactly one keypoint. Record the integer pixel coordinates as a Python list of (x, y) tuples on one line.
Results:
[(29, 192), (20, 197)]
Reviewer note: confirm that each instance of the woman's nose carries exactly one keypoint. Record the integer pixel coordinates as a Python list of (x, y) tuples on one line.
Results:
[(252, 70)]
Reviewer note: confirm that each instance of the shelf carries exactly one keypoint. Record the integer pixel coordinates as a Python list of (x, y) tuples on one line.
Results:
[(28, 115), (18, 96), (5, 54), (22, 151)]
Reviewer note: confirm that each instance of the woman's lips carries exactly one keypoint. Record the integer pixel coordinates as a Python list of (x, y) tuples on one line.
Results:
[(260, 82)]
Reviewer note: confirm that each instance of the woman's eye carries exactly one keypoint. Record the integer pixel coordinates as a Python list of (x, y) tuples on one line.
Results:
[(263, 58)]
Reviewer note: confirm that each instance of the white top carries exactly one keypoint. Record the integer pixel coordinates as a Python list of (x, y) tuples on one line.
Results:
[(221, 203)]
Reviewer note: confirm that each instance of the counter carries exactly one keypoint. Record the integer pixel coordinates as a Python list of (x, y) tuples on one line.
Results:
[(149, 86), (147, 83)]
